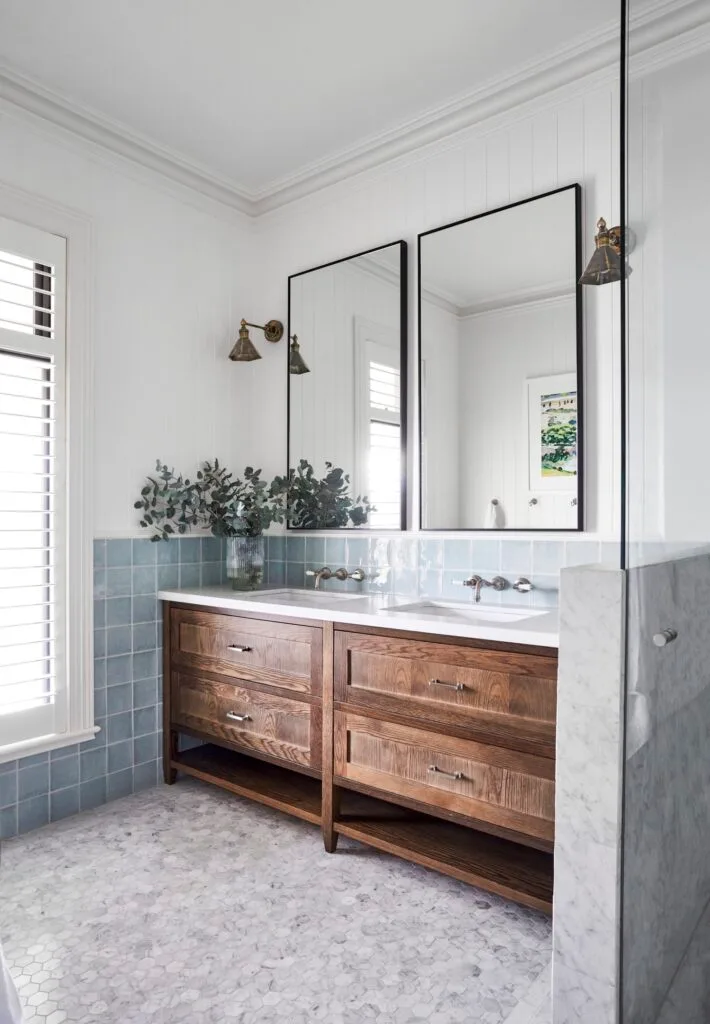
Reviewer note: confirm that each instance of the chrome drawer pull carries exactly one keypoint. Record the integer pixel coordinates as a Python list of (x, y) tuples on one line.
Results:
[(454, 686), (238, 718), (457, 776), (238, 648)]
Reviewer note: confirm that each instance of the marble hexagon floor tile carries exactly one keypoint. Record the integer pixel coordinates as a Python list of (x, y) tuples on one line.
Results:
[(184, 905)]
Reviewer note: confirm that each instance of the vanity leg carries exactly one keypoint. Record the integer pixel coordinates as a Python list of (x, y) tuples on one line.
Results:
[(170, 737), (330, 836), (330, 800)]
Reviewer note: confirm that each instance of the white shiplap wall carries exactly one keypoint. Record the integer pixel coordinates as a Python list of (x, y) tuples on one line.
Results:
[(570, 137)]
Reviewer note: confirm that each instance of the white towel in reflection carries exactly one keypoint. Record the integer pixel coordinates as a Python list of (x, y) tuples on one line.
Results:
[(495, 517)]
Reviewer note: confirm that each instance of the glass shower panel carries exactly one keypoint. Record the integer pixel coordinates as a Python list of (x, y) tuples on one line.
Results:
[(665, 892)]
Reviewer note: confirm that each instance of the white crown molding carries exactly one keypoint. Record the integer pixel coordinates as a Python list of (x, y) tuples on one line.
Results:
[(521, 300), (662, 33)]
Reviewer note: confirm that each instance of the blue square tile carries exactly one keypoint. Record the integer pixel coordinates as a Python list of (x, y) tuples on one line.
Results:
[(358, 549), (168, 577), (118, 640), (516, 556), (92, 764), (145, 665), (8, 766), (335, 553), (120, 756), (64, 803), (145, 609), (8, 822), (99, 584), (295, 549), (458, 555), (145, 720), (92, 793), (99, 614), (119, 698), (99, 643), (168, 552), (64, 773), (431, 581), (100, 702), (295, 574), (315, 551), (190, 549), (210, 574), (70, 751), (118, 611), (145, 578), (144, 552), (120, 784), (118, 669), (32, 760), (145, 776), (582, 552), (485, 556), (547, 556), (145, 748), (119, 552), (118, 582), (406, 582), (145, 636), (276, 548), (120, 727), (99, 739), (276, 574), (32, 781), (211, 549), (189, 575), (451, 589), (99, 673), (547, 591), (431, 554), (8, 789), (32, 814), (145, 693), (99, 554)]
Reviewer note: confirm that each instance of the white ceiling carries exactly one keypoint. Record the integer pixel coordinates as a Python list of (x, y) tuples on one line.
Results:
[(257, 92)]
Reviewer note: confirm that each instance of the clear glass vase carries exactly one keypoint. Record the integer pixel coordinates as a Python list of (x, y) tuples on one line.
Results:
[(245, 562)]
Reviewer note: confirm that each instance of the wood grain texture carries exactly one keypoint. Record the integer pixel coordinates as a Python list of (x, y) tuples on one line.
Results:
[(329, 806), (277, 653), (510, 790), (268, 784), (283, 728), (170, 738)]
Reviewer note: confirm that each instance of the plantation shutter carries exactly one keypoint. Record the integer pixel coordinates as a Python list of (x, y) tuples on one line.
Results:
[(384, 459)]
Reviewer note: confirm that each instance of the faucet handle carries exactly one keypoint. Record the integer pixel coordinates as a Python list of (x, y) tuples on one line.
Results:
[(472, 581), (523, 585)]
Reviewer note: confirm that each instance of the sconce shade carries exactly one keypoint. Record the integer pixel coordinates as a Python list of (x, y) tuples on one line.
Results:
[(296, 363), (605, 265), (244, 350)]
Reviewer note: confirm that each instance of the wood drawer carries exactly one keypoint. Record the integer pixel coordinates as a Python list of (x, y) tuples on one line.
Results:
[(276, 653), (506, 789), (278, 727), (448, 683)]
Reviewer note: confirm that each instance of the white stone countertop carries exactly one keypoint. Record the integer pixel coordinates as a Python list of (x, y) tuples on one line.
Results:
[(502, 623)]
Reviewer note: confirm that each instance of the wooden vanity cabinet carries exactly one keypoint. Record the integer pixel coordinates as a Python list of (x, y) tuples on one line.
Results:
[(441, 751)]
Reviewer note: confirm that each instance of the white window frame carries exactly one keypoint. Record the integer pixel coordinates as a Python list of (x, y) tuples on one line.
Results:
[(74, 593)]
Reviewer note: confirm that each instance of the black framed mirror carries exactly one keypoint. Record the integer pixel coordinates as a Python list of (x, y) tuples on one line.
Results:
[(347, 392), (500, 368)]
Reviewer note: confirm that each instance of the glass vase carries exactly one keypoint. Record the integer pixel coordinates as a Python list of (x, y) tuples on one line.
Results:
[(245, 562)]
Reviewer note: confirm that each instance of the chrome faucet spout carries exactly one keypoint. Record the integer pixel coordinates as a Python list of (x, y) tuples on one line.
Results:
[(476, 582), (320, 574)]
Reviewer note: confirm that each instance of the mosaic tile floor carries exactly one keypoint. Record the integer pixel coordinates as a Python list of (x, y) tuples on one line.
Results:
[(184, 905)]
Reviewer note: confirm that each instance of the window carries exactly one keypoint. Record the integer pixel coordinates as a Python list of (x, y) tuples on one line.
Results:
[(37, 709), (384, 470)]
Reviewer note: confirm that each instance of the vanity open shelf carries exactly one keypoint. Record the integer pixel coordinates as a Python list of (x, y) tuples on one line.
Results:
[(437, 749)]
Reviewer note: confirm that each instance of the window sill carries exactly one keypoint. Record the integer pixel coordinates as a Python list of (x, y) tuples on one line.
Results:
[(28, 748)]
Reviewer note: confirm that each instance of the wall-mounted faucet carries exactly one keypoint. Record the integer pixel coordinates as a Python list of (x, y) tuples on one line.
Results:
[(476, 582), (339, 574)]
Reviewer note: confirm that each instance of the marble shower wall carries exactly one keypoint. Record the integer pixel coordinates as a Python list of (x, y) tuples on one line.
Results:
[(585, 960), (666, 883)]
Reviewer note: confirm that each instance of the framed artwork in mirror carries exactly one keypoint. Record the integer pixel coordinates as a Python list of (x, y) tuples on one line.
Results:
[(500, 368), (347, 398)]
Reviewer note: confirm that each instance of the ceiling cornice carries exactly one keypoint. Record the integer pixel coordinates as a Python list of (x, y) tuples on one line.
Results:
[(660, 34)]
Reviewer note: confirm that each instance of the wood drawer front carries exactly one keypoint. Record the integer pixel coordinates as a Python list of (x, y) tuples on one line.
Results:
[(444, 676), (506, 789), (277, 726), (278, 653)]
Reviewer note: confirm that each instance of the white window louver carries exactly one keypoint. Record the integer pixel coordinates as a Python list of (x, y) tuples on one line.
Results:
[(32, 467), (384, 471)]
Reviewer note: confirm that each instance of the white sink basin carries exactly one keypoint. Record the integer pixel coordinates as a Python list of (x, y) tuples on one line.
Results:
[(293, 595), (468, 612)]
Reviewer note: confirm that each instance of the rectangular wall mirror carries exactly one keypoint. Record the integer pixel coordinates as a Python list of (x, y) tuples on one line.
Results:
[(347, 392), (500, 359)]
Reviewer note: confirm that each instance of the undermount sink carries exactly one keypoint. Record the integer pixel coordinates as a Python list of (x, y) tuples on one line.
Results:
[(292, 595), (468, 612)]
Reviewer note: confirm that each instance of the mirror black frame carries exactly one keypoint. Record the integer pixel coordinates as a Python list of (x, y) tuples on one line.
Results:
[(579, 269), (404, 379)]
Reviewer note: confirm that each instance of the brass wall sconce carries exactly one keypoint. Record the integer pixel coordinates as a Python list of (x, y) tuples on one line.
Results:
[(244, 350), (296, 362), (605, 266)]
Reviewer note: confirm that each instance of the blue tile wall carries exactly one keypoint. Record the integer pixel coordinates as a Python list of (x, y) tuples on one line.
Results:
[(125, 755)]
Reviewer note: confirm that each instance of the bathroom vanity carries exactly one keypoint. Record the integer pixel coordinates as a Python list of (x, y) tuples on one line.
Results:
[(425, 731)]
